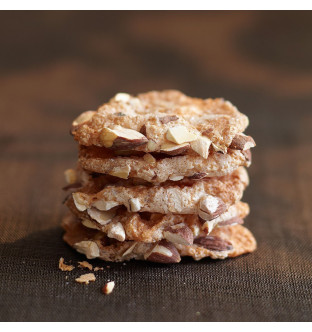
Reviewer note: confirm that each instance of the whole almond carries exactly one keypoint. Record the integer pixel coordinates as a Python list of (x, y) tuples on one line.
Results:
[(213, 243)]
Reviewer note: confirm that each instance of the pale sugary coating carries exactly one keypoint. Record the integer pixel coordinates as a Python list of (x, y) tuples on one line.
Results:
[(160, 170), (216, 119), (182, 197), (149, 227), (96, 245)]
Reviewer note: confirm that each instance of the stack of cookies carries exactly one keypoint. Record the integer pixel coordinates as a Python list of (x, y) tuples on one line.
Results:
[(159, 176)]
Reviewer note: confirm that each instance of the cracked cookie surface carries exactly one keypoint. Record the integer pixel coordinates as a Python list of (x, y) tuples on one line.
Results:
[(157, 170), (151, 120), (181, 197), (228, 241)]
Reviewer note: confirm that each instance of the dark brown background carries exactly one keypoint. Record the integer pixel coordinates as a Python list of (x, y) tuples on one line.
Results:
[(55, 65)]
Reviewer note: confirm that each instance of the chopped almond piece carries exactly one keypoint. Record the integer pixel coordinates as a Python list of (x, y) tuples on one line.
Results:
[(108, 288)]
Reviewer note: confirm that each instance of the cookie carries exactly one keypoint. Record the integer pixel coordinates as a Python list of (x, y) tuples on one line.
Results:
[(227, 241), (122, 225), (163, 121), (160, 168), (208, 197)]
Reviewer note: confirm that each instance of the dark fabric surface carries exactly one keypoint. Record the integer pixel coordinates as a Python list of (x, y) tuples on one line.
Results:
[(55, 65)]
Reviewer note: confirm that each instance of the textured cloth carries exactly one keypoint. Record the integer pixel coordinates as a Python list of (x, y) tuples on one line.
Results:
[(41, 92)]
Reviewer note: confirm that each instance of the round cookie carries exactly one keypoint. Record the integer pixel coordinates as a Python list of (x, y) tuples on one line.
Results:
[(208, 197), (158, 121), (151, 227), (157, 170), (228, 241)]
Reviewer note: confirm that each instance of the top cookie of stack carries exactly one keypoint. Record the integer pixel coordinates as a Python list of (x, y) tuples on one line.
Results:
[(161, 136)]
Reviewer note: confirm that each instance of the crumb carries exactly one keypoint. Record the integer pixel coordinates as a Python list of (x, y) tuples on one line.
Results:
[(197, 313), (98, 268), (85, 278), (108, 288), (85, 264), (124, 264), (65, 267), (66, 277), (108, 266)]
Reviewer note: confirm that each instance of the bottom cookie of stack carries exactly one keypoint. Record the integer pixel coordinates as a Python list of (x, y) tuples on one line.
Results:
[(222, 242)]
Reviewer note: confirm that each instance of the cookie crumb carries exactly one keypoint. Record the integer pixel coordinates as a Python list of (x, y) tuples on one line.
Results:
[(108, 288), (98, 268), (65, 267), (86, 265), (86, 278)]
